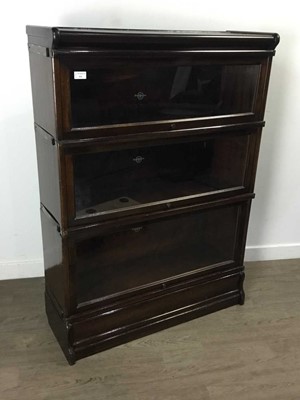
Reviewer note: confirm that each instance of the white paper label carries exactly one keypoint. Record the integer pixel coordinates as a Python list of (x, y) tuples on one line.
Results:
[(80, 74)]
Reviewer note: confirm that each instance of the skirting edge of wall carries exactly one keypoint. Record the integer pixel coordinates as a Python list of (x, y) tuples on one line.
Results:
[(272, 252), (19, 269)]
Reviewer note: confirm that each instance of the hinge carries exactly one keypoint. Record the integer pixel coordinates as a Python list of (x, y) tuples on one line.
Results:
[(63, 233)]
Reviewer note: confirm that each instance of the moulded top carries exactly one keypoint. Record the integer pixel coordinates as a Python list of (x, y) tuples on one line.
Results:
[(78, 38)]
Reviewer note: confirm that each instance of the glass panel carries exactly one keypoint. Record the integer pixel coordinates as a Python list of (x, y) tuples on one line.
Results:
[(125, 93), (119, 179), (154, 251)]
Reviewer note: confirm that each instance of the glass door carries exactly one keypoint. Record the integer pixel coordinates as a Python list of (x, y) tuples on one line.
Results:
[(154, 252), (134, 92), (127, 179)]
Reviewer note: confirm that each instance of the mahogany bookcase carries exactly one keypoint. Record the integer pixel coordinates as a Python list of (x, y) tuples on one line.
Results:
[(147, 147)]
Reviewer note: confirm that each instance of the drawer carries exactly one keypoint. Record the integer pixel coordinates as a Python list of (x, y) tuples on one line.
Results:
[(152, 255), (114, 95), (105, 184), (183, 303)]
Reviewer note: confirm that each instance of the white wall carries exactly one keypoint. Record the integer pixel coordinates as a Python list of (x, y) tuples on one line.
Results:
[(275, 220)]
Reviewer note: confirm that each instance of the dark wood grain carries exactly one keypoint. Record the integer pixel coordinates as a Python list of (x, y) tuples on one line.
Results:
[(226, 50), (49, 173), (43, 95), (68, 37), (147, 169)]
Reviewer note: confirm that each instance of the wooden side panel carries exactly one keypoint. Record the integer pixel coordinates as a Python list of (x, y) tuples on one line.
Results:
[(53, 261), (60, 328), (57, 251), (43, 92), (49, 176)]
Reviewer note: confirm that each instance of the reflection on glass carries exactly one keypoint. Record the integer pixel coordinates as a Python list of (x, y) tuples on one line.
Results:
[(118, 179), (136, 93), (154, 251)]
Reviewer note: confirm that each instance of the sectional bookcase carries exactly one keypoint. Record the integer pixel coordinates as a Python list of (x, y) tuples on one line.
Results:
[(147, 147)]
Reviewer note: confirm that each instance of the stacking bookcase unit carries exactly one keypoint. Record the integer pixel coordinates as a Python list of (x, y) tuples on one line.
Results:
[(147, 147)]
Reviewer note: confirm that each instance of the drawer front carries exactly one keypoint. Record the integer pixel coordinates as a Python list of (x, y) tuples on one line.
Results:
[(195, 298), (154, 253), (120, 93), (104, 184)]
